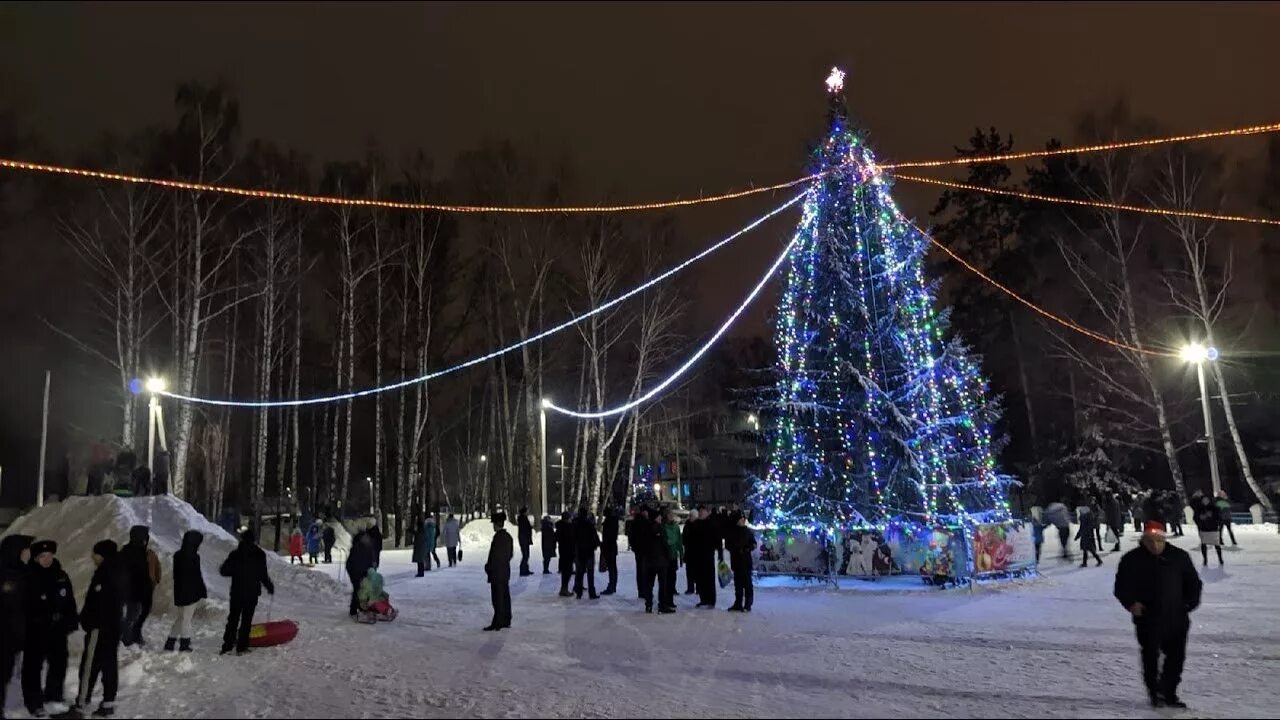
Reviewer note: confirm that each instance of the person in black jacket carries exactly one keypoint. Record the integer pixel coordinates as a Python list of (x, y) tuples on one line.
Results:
[(329, 538), (15, 552), (657, 559), (585, 542), (1115, 518), (524, 531), (51, 616), (101, 620), (689, 536), (548, 532), (359, 560), (498, 571), (564, 539), (1157, 583), (247, 568), (637, 535), (375, 544), (703, 558), (1209, 524), (188, 589), (133, 558), (609, 548), (740, 542)]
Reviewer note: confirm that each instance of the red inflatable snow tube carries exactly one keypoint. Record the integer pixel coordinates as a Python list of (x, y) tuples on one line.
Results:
[(277, 632)]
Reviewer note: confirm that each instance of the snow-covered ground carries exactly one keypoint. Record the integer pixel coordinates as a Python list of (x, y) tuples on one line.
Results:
[(1059, 646)]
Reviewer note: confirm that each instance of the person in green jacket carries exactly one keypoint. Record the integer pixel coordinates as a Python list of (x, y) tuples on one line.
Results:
[(675, 548), (1223, 505), (375, 604)]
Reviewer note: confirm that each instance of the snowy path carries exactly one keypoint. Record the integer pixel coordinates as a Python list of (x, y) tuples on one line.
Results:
[(1057, 647)]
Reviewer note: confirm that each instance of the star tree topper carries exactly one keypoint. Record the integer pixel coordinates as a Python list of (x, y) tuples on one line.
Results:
[(835, 81)]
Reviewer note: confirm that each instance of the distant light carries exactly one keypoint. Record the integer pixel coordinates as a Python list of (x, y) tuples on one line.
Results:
[(483, 458), (559, 451), (835, 81), (1211, 354), (546, 402), (657, 487), (136, 386), (155, 385)]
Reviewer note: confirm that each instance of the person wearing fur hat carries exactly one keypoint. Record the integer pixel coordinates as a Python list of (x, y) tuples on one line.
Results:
[(1157, 583), (15, 552), (101, 620), (51, 616), (498, 571)]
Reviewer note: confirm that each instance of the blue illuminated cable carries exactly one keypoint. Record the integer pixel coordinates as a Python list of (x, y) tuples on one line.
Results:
[(516, 346), (751, 296)]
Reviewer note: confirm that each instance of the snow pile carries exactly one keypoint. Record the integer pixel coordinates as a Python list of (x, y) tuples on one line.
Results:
[(341, 538), (77, 523)]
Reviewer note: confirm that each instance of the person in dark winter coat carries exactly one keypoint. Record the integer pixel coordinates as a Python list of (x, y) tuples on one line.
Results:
[(375, 543), (247, 568), (452, 535), (609, 548), (585, 542), (524, 531), (657, 560), (638, 534), (1223, 504), (101, 620), (142, 570), (1209, 524), (498, 570), (675, 549), (188, 589), (740, 543), (564, 539), (703, 558), (1157, 583), (359, 560), (1057, 515), (15, 552), (329, 538), (424, 545), (1115, 519), (1088, 539), (548, 532), (51, 616)]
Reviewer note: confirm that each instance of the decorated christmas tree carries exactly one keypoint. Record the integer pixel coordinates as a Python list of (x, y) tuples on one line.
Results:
[(879, 420)]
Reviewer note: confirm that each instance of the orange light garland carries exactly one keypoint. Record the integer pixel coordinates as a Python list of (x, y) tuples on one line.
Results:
[(1091, 203)]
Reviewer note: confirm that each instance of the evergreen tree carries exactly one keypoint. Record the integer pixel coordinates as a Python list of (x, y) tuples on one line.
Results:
[(877, 419)]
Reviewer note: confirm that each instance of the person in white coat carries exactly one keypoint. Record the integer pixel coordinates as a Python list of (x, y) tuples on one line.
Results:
[(452, 537)]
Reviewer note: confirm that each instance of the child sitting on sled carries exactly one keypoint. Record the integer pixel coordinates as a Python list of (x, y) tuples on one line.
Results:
[(375, 603)]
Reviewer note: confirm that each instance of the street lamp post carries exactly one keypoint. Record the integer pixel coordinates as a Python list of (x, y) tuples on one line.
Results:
[(370, 481), (560, 457), (542, 457), (484, 477), (1198, 355), (155, 386)]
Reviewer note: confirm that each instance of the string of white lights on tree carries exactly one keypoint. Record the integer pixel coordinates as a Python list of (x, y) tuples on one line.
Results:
[(496, 353)]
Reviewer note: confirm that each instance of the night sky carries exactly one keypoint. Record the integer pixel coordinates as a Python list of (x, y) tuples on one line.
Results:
[(649, 100)]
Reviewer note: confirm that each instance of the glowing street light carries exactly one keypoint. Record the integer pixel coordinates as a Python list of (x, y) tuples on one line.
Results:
[(155, 385), (1198, 354)]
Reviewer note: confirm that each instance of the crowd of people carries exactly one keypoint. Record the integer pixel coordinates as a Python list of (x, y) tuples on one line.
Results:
[(658, 541), (39, 612)]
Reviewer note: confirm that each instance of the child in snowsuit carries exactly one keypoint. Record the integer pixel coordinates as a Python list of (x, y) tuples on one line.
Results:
[(101, 620), (375, 603), (295, 546), (313, 543), (188, 589), (51, 616)]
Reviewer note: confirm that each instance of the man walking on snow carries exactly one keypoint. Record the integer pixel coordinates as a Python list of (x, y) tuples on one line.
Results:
[(525, 530), (498, 570), (1157, 583)]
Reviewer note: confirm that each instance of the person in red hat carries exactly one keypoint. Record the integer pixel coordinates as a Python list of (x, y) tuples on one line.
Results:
[(1157, 583)]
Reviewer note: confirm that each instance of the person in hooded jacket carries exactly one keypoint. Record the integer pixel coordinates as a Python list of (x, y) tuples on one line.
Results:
[(313, 543), (565, 539), (1209, 524), (637, 535), (51, 616), (424, 545), (296, 545), (247, 568), (689, 538), (740, 543), (375, 542), (452, 535), (15, 552), (657, 559), (1087, 537), (142, 570), (1223, 504), (609, 548), (675, 549), (359, 560), (548, 532), (188, 589), (585, 542), (703, 558), (524, 533), (101, 620)]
